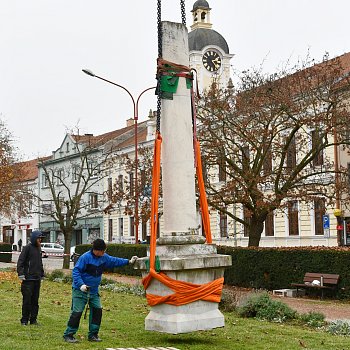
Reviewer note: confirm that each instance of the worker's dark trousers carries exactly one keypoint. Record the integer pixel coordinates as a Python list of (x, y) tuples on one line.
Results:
[(79, 300), (30, 306)]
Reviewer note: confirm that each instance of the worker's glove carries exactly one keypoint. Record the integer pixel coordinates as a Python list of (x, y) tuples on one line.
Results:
[(84, 288), (133, 260), (22, 277)]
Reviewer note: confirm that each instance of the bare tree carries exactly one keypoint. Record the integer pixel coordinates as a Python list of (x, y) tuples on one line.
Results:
[(12, 174), (125, 191), (74, 189), (271, 140)]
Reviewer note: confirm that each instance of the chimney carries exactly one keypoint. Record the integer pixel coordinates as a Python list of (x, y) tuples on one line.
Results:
[(130, 122)]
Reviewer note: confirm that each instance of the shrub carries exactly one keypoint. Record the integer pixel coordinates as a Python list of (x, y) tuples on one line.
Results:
[(277, 268), (261, 306), (313, 319), (5, 257), (125, 288), (339, 327), (105, 281), (56, 274), (229, 300)]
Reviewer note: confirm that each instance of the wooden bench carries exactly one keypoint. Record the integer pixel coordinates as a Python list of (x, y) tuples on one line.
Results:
[(327, 282)]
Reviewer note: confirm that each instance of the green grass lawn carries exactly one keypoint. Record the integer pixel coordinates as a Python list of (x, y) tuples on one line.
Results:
[(123, 326)]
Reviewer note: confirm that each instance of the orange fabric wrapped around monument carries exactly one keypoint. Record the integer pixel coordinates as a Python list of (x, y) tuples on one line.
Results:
[(184, 292)]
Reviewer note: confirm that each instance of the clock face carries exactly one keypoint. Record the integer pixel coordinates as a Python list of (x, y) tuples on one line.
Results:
[(211, 61)]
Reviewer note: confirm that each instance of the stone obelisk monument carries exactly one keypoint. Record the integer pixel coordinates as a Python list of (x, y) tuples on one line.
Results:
[(180, 248)]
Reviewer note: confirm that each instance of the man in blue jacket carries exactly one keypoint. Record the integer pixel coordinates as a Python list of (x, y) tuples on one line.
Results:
[(86, 280), (30, 271)]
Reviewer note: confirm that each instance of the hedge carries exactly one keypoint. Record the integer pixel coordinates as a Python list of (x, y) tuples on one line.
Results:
[(261, 268), (5, 247), (277, 268), (125, 251)]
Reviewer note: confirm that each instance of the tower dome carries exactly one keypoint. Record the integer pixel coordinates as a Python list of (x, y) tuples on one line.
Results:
[(202, 37), (202, 4)]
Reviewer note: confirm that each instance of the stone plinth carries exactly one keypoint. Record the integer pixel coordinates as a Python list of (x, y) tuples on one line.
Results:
[(195, 263)]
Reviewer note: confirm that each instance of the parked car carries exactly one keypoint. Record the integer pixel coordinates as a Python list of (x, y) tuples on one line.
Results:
[(51, 248)]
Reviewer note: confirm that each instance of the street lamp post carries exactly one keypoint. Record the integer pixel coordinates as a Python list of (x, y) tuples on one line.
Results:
[(136, 117)]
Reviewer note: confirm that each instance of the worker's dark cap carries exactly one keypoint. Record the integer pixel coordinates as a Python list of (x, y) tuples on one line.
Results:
[(99, 244)]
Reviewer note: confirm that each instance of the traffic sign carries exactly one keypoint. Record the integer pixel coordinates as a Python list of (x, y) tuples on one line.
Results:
[(325, 219)]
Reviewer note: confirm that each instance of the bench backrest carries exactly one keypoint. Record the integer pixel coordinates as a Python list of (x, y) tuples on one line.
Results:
[(328, 278)]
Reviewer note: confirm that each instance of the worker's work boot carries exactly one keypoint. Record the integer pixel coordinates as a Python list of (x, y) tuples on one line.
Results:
[(70, 338), (95, 338)]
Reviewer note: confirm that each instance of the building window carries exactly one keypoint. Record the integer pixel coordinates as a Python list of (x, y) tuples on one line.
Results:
[(293, 218), (132, 226), (204, 170), (46, 208), (75, 173), (143, 180), (245, 158), (121, 226), (93, 200), (93, 169), (110, 189), (59, 176), (67, 147), (131, 184), (291, 155), (110, 230), (45, 181), (223, 225), (144, 229), (247, 216), (267, 163), (320, 210), (269, 225), (120, 183), (222, 166), (316, 142)]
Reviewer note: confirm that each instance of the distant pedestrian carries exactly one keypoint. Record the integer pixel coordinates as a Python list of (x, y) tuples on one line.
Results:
[(19, 244), (30, 271), (86, 280)]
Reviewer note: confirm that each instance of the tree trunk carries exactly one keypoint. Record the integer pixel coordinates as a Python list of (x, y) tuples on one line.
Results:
[(67, 243), (255, 231)]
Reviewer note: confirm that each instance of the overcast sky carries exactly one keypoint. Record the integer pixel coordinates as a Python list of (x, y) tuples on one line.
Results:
[(45, 44)]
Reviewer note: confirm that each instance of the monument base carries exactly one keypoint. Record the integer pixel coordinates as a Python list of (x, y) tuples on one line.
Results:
[(195, 263), (197, 316)]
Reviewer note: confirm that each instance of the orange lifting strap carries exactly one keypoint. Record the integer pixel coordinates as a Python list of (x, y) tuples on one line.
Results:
[(184, 292)]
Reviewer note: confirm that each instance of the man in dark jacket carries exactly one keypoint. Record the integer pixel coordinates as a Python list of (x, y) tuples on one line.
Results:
[(86, 280), (30, 271)]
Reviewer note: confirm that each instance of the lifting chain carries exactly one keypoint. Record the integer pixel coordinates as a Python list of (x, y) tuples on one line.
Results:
[(160, 51), (160, 54), (183, 12)]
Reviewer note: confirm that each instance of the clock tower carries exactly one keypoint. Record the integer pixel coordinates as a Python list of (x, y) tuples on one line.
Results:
[(209, 52)]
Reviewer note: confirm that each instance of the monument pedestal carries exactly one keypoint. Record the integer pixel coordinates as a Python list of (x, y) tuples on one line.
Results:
[(195, 263)]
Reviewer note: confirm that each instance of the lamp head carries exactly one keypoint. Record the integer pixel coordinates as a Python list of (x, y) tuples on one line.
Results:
[(337, 212), (88, 72)]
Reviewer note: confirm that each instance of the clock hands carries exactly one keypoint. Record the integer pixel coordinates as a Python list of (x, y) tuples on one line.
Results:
[(211, 61)]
